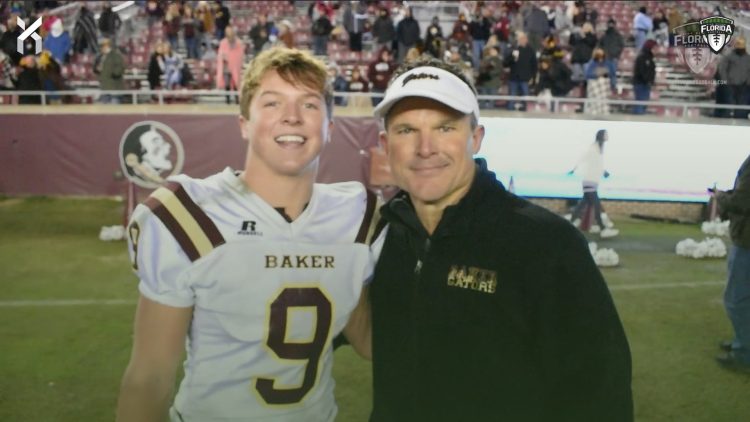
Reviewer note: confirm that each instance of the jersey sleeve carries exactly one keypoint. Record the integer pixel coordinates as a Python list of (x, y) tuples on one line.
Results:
[(157, 259)]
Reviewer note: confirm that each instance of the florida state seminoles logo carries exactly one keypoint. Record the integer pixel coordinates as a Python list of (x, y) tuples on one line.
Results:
[(150, 152)]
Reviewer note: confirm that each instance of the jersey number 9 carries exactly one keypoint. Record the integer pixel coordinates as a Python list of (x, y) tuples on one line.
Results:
[(308, 297)]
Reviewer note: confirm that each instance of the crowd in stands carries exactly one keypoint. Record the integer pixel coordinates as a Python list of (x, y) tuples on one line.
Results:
[(558, 49)]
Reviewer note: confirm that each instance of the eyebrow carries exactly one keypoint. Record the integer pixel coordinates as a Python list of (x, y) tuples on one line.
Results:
[(309, 94), (404, 125)]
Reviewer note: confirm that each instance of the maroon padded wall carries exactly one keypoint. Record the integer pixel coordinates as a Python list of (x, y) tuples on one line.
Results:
[(78, 154)]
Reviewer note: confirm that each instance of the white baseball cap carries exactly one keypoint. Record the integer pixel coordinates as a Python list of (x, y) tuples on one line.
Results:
[(433, 83)]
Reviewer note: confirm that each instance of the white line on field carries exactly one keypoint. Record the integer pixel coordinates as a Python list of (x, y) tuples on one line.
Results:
[(114, 302), (71, 302), (648, 286)]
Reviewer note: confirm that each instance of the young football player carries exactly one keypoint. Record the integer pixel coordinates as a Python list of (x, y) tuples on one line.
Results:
[(254, 272)]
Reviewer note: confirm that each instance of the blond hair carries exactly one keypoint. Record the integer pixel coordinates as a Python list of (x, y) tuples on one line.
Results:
[(294, 66)]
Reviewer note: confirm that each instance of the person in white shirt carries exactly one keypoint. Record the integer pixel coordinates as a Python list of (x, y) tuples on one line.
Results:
[(253, 272), (642, 27), (591, 168)]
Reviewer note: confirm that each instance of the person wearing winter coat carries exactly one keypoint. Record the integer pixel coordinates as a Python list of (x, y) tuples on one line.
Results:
[(156, 67), (490, 75), (644, 75), (109, 23), (523, 67), (612, 42), (84, 32), (110, 66), (407, 34), (734, 205), (734, 68), (383, 30), (58, 42)]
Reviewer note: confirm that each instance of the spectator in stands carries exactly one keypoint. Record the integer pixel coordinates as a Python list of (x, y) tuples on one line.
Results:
[(490, 75), (286, 36), (173, 64), (554, 77), (642, 27), (674, 18), (260, 32), (50, 74), (383, 30), (109, 23), (58, 42), (84, 32), (460, 35), (536, 26), (434, 40), (415, 52), (7, 72), (354, 18), (156, 67), (549, 47), (221, 18), (155, 12), (9, 38), (480, 29), (338, 82), (563, 25), (407, 34), (28, 79), (358, 83), (644, 75), (321, 32), (379, 72), (601, 77), (190, 33), (734, 68), (172, 25), (501, 28), (523, 68), (207, 27), (582, 42), (734, 205), (661, 28), (612, 42), (110, 66), (229, 61), (454, 58)]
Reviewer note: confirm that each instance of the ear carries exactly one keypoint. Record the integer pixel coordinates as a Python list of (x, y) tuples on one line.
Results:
[(476, 139), (242, 122), (329, 134), (383, 141)]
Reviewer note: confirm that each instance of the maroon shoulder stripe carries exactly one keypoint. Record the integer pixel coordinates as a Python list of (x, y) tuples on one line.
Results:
[(204, 222), (369, 212), (174, 227)]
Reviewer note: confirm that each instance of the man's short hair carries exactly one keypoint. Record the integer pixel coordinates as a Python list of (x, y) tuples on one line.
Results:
[(433, 62), (294, 66)]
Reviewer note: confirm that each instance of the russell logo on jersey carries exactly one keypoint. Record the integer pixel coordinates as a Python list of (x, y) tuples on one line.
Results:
[(248, 228)]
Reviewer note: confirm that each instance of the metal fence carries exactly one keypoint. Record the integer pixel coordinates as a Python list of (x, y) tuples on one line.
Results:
[(361, 100)]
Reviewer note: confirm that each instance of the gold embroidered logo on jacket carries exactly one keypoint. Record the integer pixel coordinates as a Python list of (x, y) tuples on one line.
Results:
[(472, 278)]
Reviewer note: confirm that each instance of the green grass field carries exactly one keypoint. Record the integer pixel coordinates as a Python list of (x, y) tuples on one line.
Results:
[(64, 362)]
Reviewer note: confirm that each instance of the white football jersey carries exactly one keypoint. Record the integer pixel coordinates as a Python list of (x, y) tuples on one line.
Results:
[(268, 295)]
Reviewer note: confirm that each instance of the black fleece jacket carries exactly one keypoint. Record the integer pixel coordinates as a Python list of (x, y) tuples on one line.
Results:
[(500, 314)]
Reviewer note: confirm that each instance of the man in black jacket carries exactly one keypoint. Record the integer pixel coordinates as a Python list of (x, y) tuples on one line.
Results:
[(523, 66), (644, 75), (484, 306), (735, 205), (407, 34)]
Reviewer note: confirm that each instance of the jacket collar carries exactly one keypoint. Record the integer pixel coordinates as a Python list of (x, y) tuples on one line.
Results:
[(456, 218)]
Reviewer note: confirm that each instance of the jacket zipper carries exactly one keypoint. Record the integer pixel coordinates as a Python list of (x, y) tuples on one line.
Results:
[(416, 324)]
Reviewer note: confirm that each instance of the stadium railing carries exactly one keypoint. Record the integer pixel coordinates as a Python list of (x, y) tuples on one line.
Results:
[(212, 96)]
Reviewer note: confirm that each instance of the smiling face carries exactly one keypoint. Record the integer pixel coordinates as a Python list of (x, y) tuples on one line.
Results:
[(286, 127), (430, 149)]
